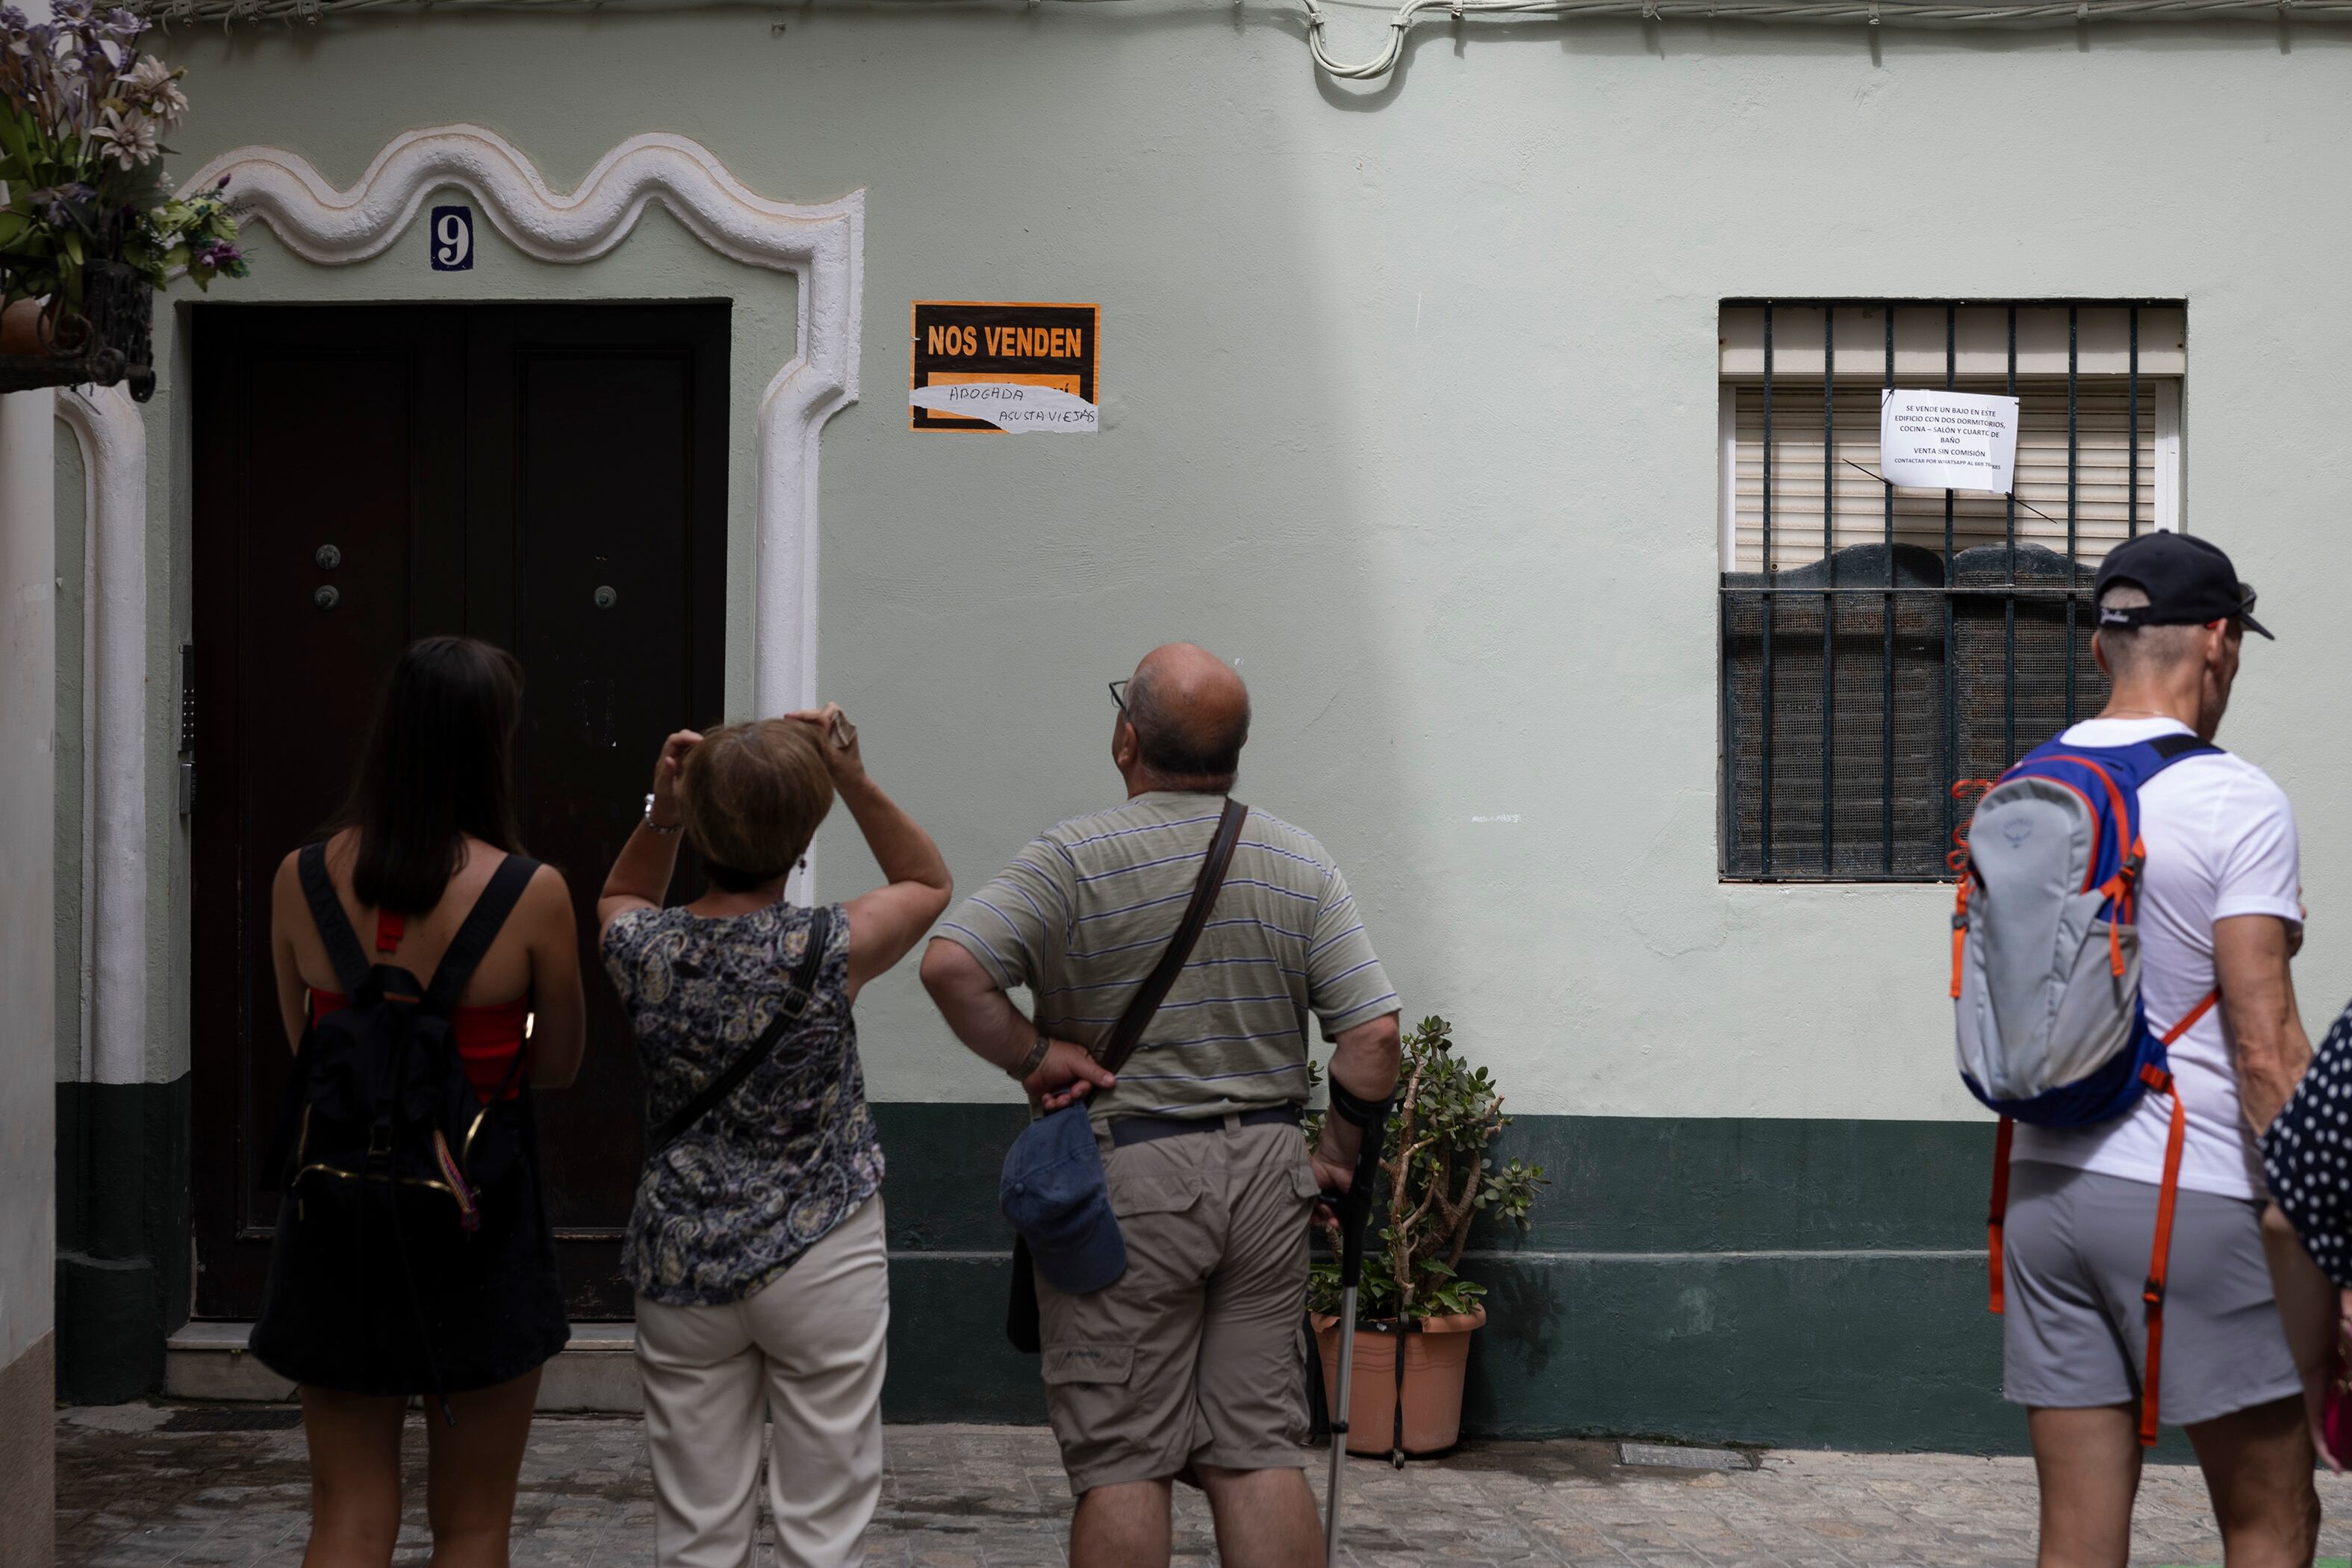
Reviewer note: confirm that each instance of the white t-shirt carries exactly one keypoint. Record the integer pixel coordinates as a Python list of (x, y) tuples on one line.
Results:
[(2220, 842)]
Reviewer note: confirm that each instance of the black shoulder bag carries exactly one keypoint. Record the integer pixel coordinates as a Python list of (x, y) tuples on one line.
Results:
[(799, 994), (1021, 1313)]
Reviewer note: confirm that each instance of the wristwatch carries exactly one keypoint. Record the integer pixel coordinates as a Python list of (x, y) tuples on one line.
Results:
[(649, 821), (1028, 1064)]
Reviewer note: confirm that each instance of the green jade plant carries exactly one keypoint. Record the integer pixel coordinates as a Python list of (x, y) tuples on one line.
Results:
[(1436, 1178)]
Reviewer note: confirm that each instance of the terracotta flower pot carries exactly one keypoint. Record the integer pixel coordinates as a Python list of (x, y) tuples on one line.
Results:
[(20, 329), (1435, 1356)]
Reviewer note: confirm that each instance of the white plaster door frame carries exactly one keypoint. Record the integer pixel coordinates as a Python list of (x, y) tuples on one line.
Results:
[(113, 439), (822, 247)]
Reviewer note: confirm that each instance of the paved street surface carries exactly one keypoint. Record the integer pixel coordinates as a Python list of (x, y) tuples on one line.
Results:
[(143, 1486)]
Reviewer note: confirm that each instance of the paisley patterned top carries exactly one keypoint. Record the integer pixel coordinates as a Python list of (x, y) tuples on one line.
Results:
[(770, 1171)]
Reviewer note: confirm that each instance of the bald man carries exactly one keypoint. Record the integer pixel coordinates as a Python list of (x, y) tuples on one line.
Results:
[(1189, 1366)]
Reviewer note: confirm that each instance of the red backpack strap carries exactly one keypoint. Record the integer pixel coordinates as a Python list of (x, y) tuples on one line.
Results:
[(2167, 1198), (1959, 932), (1999, 1216), (2194, 1013)]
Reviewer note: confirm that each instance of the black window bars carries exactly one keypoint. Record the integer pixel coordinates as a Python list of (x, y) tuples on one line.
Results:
[(1860, 685)]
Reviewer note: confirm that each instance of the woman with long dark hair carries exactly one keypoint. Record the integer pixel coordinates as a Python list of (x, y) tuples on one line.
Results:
[(429, 978)]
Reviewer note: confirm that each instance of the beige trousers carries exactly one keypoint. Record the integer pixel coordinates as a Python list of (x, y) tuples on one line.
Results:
[(806, 1349)]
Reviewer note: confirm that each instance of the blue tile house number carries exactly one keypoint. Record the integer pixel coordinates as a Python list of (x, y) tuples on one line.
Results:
[(453, 239)]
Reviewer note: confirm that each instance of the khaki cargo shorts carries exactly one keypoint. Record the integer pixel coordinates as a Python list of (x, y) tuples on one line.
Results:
[(1193, 1355)]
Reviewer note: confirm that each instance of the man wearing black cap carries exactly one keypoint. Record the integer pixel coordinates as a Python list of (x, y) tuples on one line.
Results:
[(2220, 906)]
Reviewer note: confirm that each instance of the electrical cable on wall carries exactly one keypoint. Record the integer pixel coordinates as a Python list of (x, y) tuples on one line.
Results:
[(2030, 14)]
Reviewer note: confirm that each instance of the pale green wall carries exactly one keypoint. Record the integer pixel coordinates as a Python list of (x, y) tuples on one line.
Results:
[(1411, 409)]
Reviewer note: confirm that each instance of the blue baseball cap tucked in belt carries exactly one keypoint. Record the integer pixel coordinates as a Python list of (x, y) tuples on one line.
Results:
[(1054, 1192)]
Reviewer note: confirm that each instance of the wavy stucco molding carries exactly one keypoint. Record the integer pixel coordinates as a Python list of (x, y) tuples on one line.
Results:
[(822, 247)]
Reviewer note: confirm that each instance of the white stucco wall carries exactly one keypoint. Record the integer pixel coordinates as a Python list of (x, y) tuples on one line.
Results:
[(27, 877), (1410, 409)]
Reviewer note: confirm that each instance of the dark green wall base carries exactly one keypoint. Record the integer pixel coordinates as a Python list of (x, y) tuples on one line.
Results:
[(1806, 1283), (123, 1235), (1794, 1283)]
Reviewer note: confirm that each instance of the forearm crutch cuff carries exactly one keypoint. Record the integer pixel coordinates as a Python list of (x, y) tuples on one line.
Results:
[(1356, 1110)]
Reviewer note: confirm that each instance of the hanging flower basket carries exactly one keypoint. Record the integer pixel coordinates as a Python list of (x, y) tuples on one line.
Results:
[(105, 341), (90, 229)]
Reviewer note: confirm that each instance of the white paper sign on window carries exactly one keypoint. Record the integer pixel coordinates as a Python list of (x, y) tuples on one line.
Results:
[(1947, 440)]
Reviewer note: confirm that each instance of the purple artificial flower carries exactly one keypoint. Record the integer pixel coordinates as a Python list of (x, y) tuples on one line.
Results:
[(55, 204)]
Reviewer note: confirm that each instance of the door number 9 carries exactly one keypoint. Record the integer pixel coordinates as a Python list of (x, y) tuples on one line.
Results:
[(453, 239)]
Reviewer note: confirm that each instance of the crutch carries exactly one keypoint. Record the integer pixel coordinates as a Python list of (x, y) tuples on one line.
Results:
[(1354, 1208)]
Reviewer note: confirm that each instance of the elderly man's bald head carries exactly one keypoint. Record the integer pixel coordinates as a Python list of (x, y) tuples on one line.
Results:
[(1190, 714)]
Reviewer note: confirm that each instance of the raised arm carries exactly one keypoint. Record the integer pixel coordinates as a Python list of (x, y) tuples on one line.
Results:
[(884, 923), (640, 876), (2267, 1043)]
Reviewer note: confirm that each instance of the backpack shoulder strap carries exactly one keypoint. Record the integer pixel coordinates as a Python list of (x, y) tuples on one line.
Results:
[(352, 967), (481, 929), (2173, 747)]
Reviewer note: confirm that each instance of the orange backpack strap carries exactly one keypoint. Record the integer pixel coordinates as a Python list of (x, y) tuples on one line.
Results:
[(2167, 1198), (1959, 932), (2195, 1013), (2000, 1215)]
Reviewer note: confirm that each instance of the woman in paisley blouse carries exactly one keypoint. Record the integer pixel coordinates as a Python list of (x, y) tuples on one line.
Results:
[(756, 1246)]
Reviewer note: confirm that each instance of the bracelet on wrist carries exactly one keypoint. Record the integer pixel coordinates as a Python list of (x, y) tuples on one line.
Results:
[(1028, 1064), (657, 826)]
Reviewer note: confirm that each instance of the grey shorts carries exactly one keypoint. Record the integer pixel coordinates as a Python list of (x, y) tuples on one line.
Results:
[(2074, 1330)]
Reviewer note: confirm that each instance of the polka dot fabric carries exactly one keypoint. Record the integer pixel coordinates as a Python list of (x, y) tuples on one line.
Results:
[(2307, 1155)]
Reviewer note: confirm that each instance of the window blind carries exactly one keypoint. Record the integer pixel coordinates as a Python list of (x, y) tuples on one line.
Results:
[(1857, 512)]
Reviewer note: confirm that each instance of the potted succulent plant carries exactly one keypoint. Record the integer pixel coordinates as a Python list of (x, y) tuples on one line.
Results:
[(1435, 1180), (90, 230)]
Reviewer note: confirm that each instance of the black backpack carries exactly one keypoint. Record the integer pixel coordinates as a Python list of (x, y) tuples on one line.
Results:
[(379, 1096)]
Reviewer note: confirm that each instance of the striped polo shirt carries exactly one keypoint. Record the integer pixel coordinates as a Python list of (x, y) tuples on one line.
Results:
[(1083, 914)]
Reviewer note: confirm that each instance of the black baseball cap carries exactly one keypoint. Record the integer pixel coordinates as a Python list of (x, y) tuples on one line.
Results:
[(2188, 582)]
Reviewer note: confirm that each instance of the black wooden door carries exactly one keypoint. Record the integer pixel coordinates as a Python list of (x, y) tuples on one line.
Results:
[(550, 478)]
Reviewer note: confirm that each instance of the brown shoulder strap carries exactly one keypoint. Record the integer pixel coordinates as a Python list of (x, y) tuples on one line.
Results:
[(1129, 1033)]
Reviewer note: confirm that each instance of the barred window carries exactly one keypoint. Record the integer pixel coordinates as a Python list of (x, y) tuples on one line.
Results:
[(1880, 645)]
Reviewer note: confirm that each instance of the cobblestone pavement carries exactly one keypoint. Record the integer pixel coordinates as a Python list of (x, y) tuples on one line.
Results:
[(143, 1486)]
